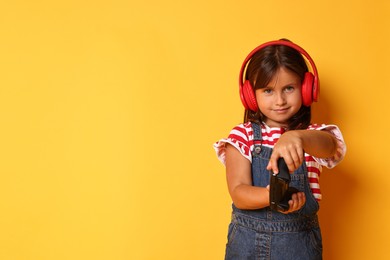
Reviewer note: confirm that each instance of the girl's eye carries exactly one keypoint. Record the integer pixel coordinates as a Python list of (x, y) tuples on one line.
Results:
[(289, 89), (267, 91)]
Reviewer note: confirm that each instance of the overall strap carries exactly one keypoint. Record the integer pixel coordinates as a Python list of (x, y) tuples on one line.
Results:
[(257, 138)]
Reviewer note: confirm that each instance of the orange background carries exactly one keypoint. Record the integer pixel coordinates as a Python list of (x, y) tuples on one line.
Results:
[(109, 110)]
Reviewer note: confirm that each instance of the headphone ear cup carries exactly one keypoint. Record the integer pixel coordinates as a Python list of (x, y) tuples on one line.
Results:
[(307, 89), (316, 89), (249, 98)]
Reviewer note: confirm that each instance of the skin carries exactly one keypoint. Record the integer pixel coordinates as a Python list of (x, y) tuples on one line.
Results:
[(278, 101)]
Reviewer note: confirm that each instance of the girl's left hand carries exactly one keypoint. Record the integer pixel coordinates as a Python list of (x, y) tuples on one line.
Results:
[(290, 147), (297, 201)]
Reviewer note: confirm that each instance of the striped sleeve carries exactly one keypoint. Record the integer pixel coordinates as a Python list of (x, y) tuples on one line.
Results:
[(239, 137)]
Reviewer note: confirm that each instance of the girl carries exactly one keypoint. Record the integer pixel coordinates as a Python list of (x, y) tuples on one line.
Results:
[(277, 90)]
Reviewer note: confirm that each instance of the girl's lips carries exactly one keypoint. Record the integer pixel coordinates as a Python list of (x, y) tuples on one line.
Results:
[(281, 110)]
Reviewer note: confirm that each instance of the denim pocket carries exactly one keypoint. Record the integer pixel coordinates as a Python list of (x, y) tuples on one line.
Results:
[(241, 243), (316, 239), (231, 232)]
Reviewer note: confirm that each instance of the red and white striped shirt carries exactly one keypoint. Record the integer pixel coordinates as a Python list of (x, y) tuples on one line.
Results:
[(242, 137)]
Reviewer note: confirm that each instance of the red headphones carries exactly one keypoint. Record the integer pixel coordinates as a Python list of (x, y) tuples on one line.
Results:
[(310, 83)]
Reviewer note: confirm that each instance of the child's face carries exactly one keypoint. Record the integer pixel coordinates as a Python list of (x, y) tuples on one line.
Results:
[(281, 98)]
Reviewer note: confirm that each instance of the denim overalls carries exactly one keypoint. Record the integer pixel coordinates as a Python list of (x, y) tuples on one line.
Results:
[(266, 234)]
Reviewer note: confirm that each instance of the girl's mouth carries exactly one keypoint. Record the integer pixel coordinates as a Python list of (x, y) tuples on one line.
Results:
[(280, 110)]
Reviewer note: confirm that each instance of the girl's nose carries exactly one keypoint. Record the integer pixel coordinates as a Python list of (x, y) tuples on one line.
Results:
[(280, 99)]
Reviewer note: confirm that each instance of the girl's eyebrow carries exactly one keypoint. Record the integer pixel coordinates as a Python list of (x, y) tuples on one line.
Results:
[(286, 85), (291, 84)]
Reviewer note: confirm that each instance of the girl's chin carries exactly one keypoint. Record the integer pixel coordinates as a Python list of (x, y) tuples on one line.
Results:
[(272, 123)]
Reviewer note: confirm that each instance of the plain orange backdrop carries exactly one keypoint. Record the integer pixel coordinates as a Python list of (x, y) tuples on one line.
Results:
[(109, 110)]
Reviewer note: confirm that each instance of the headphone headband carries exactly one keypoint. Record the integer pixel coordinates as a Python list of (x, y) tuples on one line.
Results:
[(315, 82)]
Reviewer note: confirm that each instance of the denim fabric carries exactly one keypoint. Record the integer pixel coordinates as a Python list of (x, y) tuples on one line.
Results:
[(266, 234)]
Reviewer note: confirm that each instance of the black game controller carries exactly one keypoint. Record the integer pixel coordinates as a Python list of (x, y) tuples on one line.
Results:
[(280, 192)]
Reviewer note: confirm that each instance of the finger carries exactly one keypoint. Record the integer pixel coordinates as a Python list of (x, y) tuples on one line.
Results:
[(298, 157), (301, 156), (298, 200), (273, 164), (302, 199), (290, 163), (269, 166), (296, 161), (291, 204), (294, 202), (291, 207)]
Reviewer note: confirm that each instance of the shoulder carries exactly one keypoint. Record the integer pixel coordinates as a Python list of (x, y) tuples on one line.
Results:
[(241, 137)]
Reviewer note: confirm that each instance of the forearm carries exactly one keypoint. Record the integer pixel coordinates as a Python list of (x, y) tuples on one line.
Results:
[(292, 145), (239, 180), (320, 144), (250, 197)]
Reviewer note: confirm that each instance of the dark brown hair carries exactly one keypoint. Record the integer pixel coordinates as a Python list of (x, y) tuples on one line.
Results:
[(263, 65)]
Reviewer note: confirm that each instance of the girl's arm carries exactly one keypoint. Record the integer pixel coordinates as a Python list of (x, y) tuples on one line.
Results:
[(239, 180), (292, 145)]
